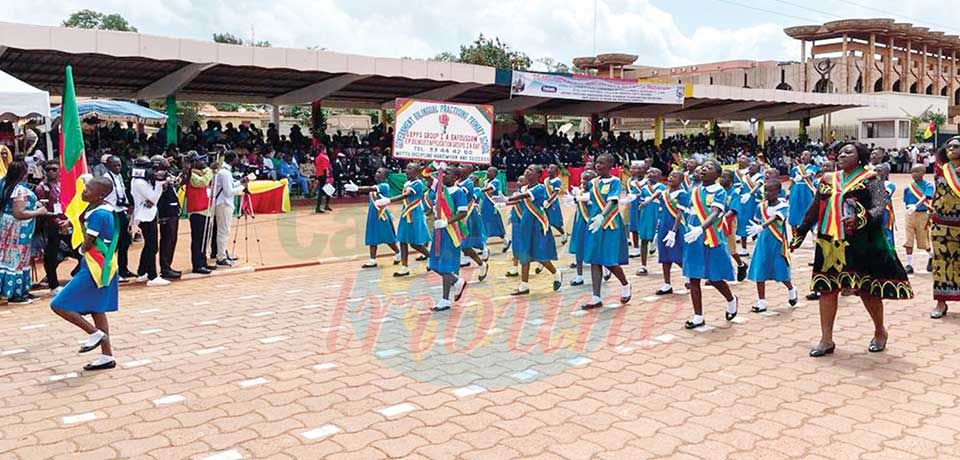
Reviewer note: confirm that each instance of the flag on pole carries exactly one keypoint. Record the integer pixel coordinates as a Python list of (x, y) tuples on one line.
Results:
[(930, 130), (73, 161)]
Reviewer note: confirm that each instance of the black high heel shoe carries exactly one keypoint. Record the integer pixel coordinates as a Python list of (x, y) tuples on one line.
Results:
[(818, 352), (939, 314)]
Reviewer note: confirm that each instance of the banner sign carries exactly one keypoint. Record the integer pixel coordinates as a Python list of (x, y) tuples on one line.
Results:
[(586, 88), (443, 131)]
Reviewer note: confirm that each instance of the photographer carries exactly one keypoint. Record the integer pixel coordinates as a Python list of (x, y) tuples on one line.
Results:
[(146, 189), (118, 199), (168, 216), (225, 189)]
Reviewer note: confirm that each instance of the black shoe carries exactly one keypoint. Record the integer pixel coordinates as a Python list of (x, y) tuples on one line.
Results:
[(86, 348), (327, 208), (930, 265), (813, 296), (224, 263), (573, 265), (421, 258), (506, 246), (20, 300), (171, 275), (512, 275), (939, 314), (731, 316), (210, 267), (691, 325), (519, 292), (591, 306), (818, 352), (557, 283), (664, 291), (742, 272), (607, 276), (757, 309), (202, 270), (908, 269), (538, 270), (319, 211), (100, 367), (127, 274), (439, 308), (577, 282)]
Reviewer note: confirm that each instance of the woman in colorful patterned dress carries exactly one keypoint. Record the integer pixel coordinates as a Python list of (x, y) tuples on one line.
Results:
[(945, 228), (852, 254), (18, 213)]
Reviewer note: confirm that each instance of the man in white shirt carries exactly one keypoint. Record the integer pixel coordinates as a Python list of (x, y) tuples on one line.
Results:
[(225, 188), (146, 191), (118, 199)]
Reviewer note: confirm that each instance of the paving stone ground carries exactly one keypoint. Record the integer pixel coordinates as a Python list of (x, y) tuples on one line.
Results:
[(333, 361)]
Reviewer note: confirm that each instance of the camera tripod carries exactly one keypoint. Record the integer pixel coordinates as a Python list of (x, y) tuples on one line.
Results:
[(249, 217)]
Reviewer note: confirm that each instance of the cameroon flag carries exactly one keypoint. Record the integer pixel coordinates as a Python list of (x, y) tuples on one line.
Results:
[(73, 161), (928, 133)]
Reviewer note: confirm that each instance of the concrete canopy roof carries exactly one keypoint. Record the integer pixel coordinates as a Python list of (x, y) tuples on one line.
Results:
[(137, 66)]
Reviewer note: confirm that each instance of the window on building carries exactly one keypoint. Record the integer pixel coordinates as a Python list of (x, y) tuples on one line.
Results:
[(904, 129)]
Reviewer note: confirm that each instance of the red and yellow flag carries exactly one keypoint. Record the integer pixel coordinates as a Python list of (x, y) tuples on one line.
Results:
[(73, 161), (932, 128)]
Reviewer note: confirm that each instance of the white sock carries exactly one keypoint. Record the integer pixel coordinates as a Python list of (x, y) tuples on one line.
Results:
[(625, 290), (732, 305), (522, 287), (396, 257), (761, 304), (371, 261), (792, 294), (909, 259), (666, 286), (94, 338), (512, 271), (595, 299), (102, 359), (697, 319), (557, 275), (444, 303), (578, 278)]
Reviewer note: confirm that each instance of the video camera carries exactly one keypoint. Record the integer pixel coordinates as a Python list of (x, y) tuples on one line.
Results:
[(143, 169)]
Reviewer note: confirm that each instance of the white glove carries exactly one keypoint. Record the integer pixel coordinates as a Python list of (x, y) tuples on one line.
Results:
[(754, 229), (744, 198), (567, 200), (595, 223), (630, 198), (693, 234), (441, 165), (583, 197), (499, 204), (911, 208), (350, 187), (670, 239), (381, 202), (440, 223)]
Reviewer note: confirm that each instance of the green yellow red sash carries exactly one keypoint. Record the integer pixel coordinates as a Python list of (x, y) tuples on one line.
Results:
[(671, 205), (552, 194), (806, 179), (610, 216), (832, 222), (444, 210), (408, 207), (100, 258), (952, 178), (711, 235), (381, 212), (777, 229), (888, 207), (916, 191), (537, 213)]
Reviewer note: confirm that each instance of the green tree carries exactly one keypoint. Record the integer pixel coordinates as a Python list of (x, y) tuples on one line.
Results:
[(920, 124), (553, 66), (89, 19), (488, 52), (232, 39)]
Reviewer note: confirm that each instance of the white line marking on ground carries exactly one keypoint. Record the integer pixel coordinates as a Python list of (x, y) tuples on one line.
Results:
[(525, 375), (33, 326), (138, 363), (168, 400), (468, 391), (396, 410), (209, 322), (207, 351), (57, 378), (71, 419), (15, 351), (262, 313), (225, 455), (150, 310), (253, 382), (321, 432), (325, 366), (274, 339), (151, 331), (665, 338)]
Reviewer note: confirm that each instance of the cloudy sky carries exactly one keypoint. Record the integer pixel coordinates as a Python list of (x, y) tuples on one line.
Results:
[(661, 32)]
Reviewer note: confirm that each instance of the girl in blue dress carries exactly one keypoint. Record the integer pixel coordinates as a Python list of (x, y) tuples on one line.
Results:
[(728, 224), (771, 256), (606, 243), (649, 207), (705, 255), (412, 229), (669, 250), (515, 213), (750, 191), (379, 228), (802, 191), (638, 169), (534, 242), (581, 220), (93, 290), (450, 229), (492, 221), (477, 234), (554, 190)]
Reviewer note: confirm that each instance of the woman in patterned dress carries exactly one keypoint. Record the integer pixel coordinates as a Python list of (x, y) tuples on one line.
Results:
[(18, 213), (852, 254), (945, 228)]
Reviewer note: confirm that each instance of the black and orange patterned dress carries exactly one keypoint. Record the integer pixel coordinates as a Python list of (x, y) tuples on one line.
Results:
[(861, 260), (945, 232)]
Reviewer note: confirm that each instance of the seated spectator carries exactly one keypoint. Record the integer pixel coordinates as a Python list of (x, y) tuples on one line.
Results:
[(290, 170)]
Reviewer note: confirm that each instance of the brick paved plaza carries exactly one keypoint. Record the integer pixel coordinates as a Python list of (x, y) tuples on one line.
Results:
[(331, 361)]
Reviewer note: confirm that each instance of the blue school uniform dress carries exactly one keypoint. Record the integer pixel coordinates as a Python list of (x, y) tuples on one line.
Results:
[(379, 221), (649, 214), (634, 187), (478, 236), (733, 204), (85, 294), (514, 218), (889, 218), (445, 251), (670, 203), (801, 192), (753, 186), (578, 236), (412, 226), (492, 222), (706, 257), (608, 245), (771, 256), (534, 242), (553, 186)]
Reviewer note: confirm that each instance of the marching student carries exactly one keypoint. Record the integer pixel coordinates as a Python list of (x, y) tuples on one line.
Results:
[(93, 290), (450, 229), (750, 190), (705, 256), (554, 186), (412, 229), (690, 176), (638, 170), (606, 243), (581, 220), (492, 221), (804, 187), (917, 195), (669, 250), (889, 218), (649, 208), (476, 238), (728, 224), (379, 228), (535, 242), (515, 212), (771, 254), (826, 168)]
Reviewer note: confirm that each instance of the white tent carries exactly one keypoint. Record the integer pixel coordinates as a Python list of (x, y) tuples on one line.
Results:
[(20, 100)]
